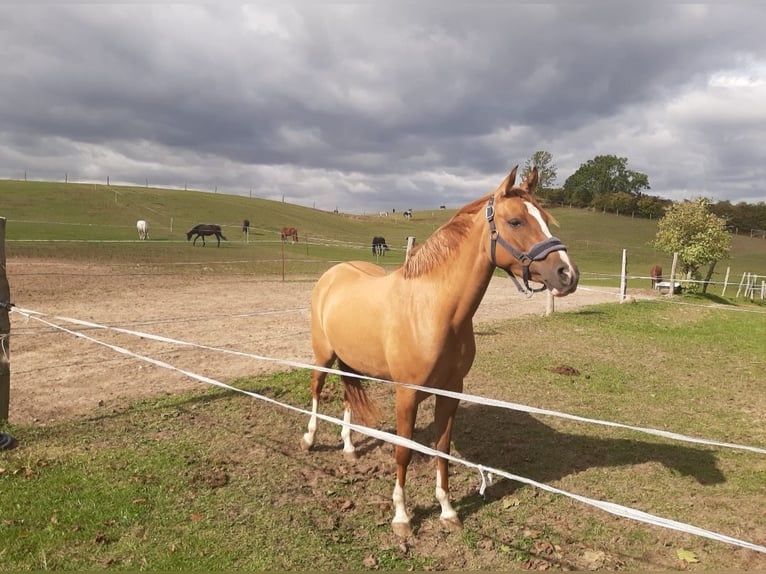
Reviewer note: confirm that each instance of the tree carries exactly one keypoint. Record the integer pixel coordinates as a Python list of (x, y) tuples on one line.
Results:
[(546, 170), (603, 175), (651, 207), (697, 234)]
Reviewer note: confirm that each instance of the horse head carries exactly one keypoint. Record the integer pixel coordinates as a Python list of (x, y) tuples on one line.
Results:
[(520, 242)]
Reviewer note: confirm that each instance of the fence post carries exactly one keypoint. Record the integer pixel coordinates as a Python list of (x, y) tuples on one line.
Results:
[(672, 289), (410, 245), (549, 305), (624, 276), (725, 281), (5, 331)]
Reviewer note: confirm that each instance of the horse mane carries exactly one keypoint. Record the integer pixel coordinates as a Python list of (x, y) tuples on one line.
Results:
[(442, 243)]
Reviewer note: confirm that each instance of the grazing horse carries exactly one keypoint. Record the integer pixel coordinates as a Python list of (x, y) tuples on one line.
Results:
[(418, 328), (291, 233), (246, 227), (143, 229), (656, 274), (379, 246), (204, 229)]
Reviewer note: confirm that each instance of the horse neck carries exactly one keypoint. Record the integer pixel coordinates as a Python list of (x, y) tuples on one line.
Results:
[(463, 279)]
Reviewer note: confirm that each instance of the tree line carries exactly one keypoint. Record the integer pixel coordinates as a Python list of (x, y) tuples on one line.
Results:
[(605, 183)]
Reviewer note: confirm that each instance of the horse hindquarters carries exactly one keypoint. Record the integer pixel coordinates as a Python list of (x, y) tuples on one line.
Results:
[(327, 299)]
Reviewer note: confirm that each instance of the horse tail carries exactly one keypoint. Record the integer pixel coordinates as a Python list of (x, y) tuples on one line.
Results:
[(362, 406)]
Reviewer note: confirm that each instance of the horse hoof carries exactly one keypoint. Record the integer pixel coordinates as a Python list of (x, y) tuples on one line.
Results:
[(452, 524), (305, 447), (350, 455), (402, 529)]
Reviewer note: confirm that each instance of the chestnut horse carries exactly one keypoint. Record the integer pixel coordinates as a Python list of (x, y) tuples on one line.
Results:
[(418, 329), (204, 229), (656, 274), (290, 233)]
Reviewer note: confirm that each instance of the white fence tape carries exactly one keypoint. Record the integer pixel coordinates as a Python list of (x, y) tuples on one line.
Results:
[(609, 507), (460, 396)]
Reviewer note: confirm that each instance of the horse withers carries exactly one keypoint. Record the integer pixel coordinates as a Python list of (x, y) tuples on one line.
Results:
[(143, 229), (205, 230), (418, 328)]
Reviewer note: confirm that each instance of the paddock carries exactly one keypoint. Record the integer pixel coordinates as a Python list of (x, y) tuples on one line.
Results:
[(94, 380), (107, 294)]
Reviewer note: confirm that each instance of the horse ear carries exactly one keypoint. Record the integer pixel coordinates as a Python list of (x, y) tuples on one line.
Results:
[(509, 181)]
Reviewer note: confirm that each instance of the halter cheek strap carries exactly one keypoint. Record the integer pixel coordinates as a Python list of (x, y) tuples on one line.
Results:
[(537, 252)]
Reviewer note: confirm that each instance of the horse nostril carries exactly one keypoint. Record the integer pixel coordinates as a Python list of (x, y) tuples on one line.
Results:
[(568, 274)]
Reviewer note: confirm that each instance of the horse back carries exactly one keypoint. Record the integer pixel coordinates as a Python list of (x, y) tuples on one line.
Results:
[(358, 301)]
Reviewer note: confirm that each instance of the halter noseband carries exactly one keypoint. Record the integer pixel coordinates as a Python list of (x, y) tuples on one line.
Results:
[(537, 252)]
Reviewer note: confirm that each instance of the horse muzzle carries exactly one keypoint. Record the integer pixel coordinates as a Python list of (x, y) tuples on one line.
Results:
[(564, 279)]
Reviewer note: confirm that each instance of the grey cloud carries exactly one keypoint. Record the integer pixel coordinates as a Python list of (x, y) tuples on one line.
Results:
[(370, 103)]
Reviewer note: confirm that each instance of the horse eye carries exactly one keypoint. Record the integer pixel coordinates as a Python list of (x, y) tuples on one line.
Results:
[(515, 222)]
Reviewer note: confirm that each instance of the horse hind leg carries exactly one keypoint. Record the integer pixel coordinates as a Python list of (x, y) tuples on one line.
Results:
[(356, 401), (317, 384)]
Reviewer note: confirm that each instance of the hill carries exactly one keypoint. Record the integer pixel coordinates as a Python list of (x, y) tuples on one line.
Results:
[(97, 222)]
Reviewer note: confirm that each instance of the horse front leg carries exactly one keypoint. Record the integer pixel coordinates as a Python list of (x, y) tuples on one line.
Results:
[(406, 412), (443, 419)]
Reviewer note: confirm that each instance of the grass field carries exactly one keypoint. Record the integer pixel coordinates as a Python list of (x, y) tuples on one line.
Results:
[(83, 221), (214, 480)]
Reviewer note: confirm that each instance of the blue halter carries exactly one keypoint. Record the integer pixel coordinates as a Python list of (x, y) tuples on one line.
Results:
[(537, 252)]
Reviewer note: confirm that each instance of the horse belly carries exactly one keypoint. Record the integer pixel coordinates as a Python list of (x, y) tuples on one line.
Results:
[(348, 316)]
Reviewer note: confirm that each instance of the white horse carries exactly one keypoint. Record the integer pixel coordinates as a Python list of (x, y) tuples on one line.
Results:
[(143, 229)]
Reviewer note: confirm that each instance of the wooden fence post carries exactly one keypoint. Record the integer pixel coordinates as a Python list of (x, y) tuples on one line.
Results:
[(5, 331), (550, 306), (624, 276), (672, 289), (725, 282), (410, 245)]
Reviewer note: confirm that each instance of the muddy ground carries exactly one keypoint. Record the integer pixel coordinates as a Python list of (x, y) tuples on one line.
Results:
[(56, 375)]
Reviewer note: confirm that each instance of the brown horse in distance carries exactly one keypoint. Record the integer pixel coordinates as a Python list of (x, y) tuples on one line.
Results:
[(290, 233), (205, 229), (656, 274), (418, 328)]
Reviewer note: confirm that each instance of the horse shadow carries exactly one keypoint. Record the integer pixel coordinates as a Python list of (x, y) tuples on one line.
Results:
[(521, 444)]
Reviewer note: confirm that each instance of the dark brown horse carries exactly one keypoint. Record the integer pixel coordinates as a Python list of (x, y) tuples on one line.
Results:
[(656, 274), (290, 233), (379, 245), (204, 229), (418, 329)]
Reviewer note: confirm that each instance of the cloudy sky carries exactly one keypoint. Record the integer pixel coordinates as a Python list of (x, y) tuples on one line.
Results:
[(377, 105)]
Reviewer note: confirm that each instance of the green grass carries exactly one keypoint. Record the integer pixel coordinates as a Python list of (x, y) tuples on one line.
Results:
[(86, 222)]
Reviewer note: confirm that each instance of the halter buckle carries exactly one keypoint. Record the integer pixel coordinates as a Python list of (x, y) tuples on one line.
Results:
[(490, 212)]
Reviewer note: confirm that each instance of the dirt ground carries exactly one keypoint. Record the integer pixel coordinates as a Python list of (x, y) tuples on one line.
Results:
[(56, 375)]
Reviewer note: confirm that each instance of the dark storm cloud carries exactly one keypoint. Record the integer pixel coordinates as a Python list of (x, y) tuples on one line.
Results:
[(383, 105)]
